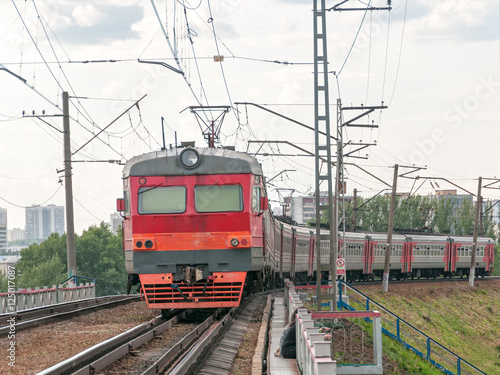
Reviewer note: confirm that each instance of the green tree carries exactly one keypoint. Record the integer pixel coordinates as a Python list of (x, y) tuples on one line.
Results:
[(4, 283), (488, 220), (46, 273), (43, 264), (98, 255), (443, 215), (412, 213), (465, 219)]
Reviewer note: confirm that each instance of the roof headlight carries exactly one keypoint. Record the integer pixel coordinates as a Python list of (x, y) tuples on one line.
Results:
[(190, 158)]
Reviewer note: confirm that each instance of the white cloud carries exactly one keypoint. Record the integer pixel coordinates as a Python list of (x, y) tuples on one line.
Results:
[(87, 15), (455, 17)]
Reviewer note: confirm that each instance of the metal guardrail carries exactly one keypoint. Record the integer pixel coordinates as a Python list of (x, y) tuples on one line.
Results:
[(410, 337), (29, 298)]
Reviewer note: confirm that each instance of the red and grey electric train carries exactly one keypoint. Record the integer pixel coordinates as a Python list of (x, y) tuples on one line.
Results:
[(197, 229)]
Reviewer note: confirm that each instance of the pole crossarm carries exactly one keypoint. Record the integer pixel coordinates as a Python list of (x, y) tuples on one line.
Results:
[(49, 124), (346, 123), (2, 67), (322, 159), (371, 174), (358, 149), (309, 153), (441, 178), (162, 64), (414, 170), (283, 116), (495, 180), (336, 8)]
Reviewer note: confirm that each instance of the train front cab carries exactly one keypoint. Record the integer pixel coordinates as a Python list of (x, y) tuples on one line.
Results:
[(194, 238)]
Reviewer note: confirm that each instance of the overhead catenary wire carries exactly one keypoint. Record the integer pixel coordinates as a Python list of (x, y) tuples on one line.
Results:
[(218, 53), (50, 70)]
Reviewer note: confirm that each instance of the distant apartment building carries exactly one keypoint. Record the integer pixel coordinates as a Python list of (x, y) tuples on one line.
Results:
[(3, 229), (16, 234), (6, 262), (115, 221), (303, 209), (42, 221), (459, 199)]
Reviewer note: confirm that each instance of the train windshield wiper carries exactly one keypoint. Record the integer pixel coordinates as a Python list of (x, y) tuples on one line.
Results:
[(151, 188)]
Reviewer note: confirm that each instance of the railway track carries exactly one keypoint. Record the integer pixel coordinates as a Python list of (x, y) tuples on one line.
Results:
[(42, 315), (176, 346), (410, 281)]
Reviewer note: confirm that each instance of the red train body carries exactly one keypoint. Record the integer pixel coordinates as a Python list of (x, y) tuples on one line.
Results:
[(197, 230)]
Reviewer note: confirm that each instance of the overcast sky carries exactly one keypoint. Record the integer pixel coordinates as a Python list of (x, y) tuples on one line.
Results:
[(435, 64)]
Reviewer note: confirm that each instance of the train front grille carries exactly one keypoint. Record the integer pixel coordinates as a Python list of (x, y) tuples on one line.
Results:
[(222, 291)]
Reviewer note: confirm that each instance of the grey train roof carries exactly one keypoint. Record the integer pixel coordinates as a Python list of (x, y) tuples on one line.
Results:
[(212, 161)]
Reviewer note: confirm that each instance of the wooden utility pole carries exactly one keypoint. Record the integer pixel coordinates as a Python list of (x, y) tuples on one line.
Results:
[(472, 272), (388, 249), (68, 184)]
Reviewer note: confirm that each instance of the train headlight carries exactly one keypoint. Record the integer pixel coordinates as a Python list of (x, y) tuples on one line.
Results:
[(190, 158), (148, 244), (235, 242)]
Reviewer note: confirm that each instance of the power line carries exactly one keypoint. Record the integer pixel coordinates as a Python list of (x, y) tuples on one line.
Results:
[(61, 70), (28, 178), (194, 55), (400, 54), (354, 41), (35, 205), (218, 53), (86, 209)]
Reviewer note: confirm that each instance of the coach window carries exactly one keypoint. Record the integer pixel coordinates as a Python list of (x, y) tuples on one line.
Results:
[(256, 199), (162, 200), (218, 198)]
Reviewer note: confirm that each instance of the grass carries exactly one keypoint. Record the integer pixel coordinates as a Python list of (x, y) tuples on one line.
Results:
[(465, 321)]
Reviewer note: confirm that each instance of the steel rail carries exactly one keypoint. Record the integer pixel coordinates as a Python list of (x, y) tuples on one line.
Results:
[(39, 315), (108, 351)]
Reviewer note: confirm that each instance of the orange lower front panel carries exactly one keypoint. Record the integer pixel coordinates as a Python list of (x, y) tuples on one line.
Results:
[(223, 289)]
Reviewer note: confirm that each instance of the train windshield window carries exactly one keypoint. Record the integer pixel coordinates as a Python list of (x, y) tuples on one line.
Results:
[(218, 198), (256, 199), (162, 200)]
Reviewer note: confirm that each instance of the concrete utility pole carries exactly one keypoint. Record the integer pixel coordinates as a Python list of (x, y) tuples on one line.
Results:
[(388, 249), (68, 183), (472, 272), (354, 209)]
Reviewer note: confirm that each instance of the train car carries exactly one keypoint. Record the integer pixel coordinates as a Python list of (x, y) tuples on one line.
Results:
[(461, 253), (375, 257), (354, 250), (413, 255), (428, 256), (193, 225)]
